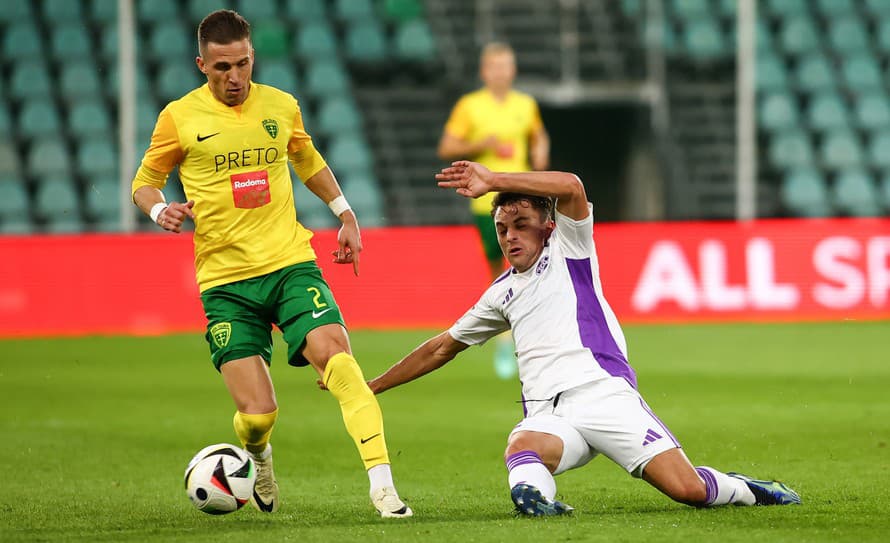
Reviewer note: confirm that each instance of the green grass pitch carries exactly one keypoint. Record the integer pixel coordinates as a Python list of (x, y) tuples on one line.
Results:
[(96, 432)]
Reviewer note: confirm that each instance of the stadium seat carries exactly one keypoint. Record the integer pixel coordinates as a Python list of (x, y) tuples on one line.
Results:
[(39, 118), (873, 110), (401, 11), (791, 148), (258, 11), (14, 206), (763, 36), (798, 35), (112, 83), (70, 41), (170, 40), (9, 159), (835, 8), (690, 10), (16, 12), (198, 9), (414, 42), (805, 193), (30, 79), (350, 154), (882, 36), (311, 211), (365, 42), (354, 10), (56, 199), (881, 8), (632, 8), (326, 78), (814, 73), (315, 41), (154, 11), (847, 35), (5, 122), (22, 41), (827, 111), (786, 8), (177, 79), (108, 48), (270, 39), (660, 36), (89, 118), (103, 11), (281, 74), (841, 149), (366, 198), (778, 112), (338, 115), (854, 192), (771, 73), (146, 118), (96, 157), (861, 72), (57, 11), (102, 198), (879, 150), (79, 80), (49, 156), (304, 11)]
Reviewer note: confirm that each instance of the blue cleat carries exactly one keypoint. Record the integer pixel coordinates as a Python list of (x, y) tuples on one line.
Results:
[(769, 492), (529, 501)]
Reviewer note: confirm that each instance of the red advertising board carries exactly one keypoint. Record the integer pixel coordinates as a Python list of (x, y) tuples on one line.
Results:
[(427, 277)]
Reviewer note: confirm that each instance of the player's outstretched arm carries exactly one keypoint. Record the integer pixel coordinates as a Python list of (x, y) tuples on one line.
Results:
[(431, 355), (472, 180)]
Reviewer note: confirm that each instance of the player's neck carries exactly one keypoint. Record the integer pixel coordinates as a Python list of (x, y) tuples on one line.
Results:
[(499, 95)]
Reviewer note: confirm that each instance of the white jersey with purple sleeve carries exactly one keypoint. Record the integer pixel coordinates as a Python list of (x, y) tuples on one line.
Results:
[(565, 332)]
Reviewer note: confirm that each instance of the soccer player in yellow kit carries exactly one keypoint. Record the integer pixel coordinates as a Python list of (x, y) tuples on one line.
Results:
[(232, 139), (500, 128)]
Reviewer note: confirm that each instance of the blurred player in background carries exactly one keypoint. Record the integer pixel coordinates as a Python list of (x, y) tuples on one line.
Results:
[(500, 128), (579, 393), (232, 139)]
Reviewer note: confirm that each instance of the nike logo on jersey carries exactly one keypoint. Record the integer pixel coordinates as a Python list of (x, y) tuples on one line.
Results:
[(316, 314), (368, 439), (202, 138)]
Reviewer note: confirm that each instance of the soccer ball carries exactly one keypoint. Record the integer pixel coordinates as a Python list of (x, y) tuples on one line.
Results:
[(220, 478)]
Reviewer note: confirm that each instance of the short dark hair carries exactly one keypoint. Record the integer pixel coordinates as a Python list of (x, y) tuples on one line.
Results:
[(543, 204), (223, 26)]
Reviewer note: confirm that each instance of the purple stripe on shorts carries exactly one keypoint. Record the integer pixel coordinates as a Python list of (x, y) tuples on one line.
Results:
[(710, 484), (521, 458), (595, 333), (658, 420)]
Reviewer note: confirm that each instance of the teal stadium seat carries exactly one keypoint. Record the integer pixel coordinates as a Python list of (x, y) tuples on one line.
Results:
[(112, 82), (16, 11), (56, 201), (880, 8), (805, 193), (325, 78), (786, 8), (338, 115), (281, 74), (835, 8), (303, 11), (259, 11), (146, 118), (873, 110), (414, 42), (778, 111), (401, 11), (103, 11), (177, 79), (270, 39), (771, 74), (57, 11), (22, 41), (49, 156), (79, 80), (728, 9), (798, 35), (14, 205), (30, 79), (198, 9), (102, 199), (762, 36), (354, 10), (815, 73), (841, 149), (171, 41), (790, 149), (688, 10), (827, 111), (311, 211), (861, 72), (154, 11), (882, 36), (365, 42), (5, 122), (350, 154), (9, 159), (847, 35), (632, 8), (96, 157), (366, 198), (660, 36), (70, 41), (315, 41), (89, 118), (879, 150), (855, 193), (39, 118)]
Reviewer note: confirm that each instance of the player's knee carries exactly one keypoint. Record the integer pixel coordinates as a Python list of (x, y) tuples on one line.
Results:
[(689, 492), (343, 376), (544, 445)]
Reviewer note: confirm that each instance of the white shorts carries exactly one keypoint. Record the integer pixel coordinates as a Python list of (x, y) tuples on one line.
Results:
[(607, 416)]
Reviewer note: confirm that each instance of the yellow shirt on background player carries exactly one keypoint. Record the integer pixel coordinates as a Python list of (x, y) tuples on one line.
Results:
[(233, 164), (478, 115)]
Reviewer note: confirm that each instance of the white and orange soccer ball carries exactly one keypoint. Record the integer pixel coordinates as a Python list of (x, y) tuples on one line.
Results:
[(220, 479)]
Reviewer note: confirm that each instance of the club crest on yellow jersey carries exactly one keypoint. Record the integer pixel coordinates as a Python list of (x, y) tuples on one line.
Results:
[(271, 126)]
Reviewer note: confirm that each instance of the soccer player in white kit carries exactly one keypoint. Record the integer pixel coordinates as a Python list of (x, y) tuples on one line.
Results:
[(579, 392)]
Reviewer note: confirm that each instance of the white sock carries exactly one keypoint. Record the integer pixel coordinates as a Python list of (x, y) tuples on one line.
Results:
[(526, 467), (723, 489), (380, 476)]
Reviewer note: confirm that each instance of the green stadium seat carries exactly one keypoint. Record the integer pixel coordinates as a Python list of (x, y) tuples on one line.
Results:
[(790, 149), (270, 39), (338, 115), (827, 111), (57, 11), (177, 79), (22, 41), (365, 42), (146, 118), (198, 9), (882, 36), (879, 149), (49, 156), (158, 11), (97, 157), (688, 10), (112, 82), (861, 72), (799, 35), (354, 10), (847, 35), (786, 8), (771, 73), (350, 154), (259, 11), (401, 11), (305, 11), (873, 110), (39, 118), (102, 199), (841, 149), (855, 193), (103, 11), (881, 8), (108, 47), (805, 193), (632, 8), (56, 198), (835, 8), (311, 211), (763, 36), (366, 198), (170, 40), (414, 42), (79, 80), (5, 122), (89, 118), (326, 78), (661, 36), (315, 41), (9, 158), (14, 206), (16, 11), (815, 73), (281, 74), (30, 80), (703, 40), (778, 111), (70, 41), (728, 9)]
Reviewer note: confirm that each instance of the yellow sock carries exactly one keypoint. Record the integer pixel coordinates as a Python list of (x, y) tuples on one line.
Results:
[(254, 430), (361, 412)]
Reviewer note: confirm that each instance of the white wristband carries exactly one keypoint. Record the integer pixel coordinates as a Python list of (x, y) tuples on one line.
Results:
[(156, 210), (338, 205)]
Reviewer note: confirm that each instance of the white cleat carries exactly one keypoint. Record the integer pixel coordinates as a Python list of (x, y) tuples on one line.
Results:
[(265, 493), (388, 504)]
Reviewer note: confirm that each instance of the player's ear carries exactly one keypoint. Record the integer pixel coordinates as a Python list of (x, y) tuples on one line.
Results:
[(200, 62)]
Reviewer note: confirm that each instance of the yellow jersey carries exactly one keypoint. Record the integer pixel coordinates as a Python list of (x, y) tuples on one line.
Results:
[(479, 114), (233, 164)]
